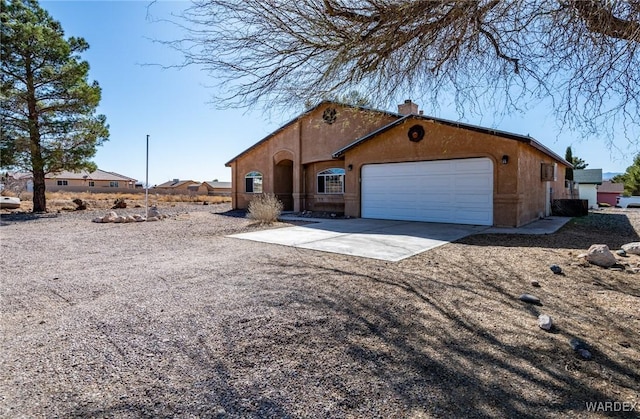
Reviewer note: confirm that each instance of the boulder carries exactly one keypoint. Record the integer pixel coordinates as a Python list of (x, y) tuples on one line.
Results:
[(580, 348), (110, 217), (632, 248), (545, 322), (531, 299), (80, 204), (119, 203), (556, 269), (153, 212), (599, 254)]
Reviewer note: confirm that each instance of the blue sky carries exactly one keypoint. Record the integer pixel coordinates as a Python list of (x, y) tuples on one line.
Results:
[(189, 137)]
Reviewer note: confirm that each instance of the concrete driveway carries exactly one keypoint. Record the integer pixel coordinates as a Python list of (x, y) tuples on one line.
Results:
[(375, 239)]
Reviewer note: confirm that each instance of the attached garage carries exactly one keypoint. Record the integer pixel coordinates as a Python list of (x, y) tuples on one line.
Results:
[(446, 191), (401, 166)]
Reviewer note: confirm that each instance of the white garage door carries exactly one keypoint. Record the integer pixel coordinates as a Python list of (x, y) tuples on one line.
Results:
[(445, 191)]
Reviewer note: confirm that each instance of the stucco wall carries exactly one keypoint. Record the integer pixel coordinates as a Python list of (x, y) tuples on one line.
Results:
[(440, 142), (77, 185), (314, 201), (520, 196), (321, 140), (308, 142), (534, 193), (590, 193), (284, 144)]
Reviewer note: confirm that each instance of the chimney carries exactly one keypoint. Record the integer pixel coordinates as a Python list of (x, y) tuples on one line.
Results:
[(408, 108)]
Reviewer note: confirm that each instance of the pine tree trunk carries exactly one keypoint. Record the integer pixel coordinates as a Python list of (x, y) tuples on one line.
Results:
[(39, 198)]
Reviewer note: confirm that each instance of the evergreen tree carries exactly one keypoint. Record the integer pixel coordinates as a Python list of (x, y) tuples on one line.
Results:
[(630, 178), (48, 106), (577, 162)]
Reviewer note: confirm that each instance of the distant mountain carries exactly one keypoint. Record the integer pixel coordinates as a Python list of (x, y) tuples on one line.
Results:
[(609, 175)]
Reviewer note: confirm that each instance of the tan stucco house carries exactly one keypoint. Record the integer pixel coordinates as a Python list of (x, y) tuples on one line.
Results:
[(402, 166), (177, 186), (215, 188), (96, 181)]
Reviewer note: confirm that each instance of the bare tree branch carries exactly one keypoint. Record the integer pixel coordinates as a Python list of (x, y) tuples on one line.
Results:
[(580, 55)]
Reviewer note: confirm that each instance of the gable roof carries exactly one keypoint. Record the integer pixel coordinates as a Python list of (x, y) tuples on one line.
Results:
[(517, 137), (401, 118), (85, 175), (175, 183), (219, 184), (611, 187), (588, 176), (305, 113)]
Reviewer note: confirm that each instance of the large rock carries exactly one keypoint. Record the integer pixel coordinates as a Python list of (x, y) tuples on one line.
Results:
[(632, 248), (80, 204), (119, 203), (531, 299), (545, 322), (153, 212), (599, 254)]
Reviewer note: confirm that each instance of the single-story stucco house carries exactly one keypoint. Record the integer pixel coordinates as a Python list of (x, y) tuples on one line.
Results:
[(177, 186), (588, 181), (402, 166), (215, 188), (96, 181)]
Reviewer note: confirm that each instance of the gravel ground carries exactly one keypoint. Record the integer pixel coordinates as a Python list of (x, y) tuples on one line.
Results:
[(173, 319)]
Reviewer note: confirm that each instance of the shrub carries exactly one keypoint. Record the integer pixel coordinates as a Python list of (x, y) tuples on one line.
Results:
[(265, 208)]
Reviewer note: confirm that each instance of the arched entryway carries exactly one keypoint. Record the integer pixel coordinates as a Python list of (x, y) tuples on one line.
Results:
[(283, 183)]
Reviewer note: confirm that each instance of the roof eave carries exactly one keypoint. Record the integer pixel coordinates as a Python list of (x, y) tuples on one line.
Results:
[(323, 103)]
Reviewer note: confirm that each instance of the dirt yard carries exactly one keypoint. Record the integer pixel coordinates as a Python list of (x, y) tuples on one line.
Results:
[(174, 319)]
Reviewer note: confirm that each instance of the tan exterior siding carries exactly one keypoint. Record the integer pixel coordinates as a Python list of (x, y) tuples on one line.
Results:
[(440, 142), (307, 143), (81, 185), (534, 193), (292, 157)]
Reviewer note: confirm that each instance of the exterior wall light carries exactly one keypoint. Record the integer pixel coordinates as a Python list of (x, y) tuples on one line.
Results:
[(505, 159), (350, 167)]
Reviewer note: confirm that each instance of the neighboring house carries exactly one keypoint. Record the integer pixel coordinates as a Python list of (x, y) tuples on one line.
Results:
[(215, 188), (177, 186), (84, 181), (402, 166), (17, 182), (608, 192), (588, 181)]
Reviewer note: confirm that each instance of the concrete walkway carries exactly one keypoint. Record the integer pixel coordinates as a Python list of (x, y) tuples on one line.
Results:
[(383, 239)]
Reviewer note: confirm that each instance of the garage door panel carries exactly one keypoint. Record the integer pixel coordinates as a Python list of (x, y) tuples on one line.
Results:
[(452, 191)]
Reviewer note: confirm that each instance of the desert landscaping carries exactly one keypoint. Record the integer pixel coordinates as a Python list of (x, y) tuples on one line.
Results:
[(174, 318)]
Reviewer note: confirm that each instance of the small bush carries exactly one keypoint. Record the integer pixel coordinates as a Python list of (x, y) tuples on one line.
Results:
[(265, 208)]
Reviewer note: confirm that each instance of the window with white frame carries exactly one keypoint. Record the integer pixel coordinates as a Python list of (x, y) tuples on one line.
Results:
[(92, 184), (113, 184), (253, 182), (331, 181), (63, 183)]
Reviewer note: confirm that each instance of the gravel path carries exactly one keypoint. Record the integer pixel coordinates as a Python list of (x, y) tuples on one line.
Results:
[(174, 319)]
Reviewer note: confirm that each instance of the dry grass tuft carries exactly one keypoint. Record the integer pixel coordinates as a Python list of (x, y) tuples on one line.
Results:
[(61, 200), (265, 209)]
